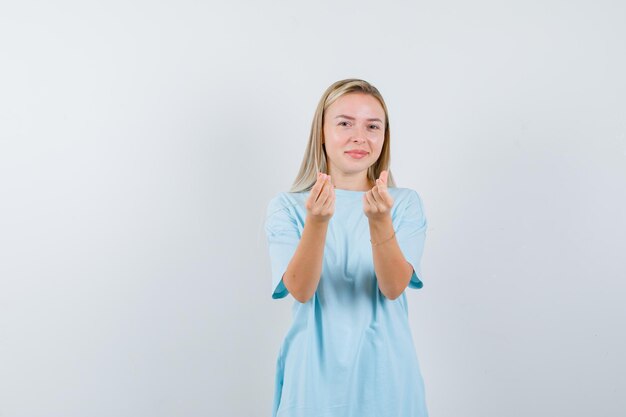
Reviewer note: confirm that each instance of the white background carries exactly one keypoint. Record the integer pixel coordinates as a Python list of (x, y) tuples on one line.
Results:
[(140, 143)]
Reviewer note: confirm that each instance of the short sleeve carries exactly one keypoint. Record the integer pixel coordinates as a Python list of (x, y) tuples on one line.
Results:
[(283, 237), (410, 234)]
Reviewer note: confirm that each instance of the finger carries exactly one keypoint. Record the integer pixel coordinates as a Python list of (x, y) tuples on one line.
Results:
[(379, 198), (328, 188), (330, 201), (318, 184), (370, 200), (376, 192), (318, 188), (382, 188), (385, 196), (324, 192)]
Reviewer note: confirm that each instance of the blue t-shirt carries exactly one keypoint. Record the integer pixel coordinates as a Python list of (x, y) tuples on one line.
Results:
[(349, 351)]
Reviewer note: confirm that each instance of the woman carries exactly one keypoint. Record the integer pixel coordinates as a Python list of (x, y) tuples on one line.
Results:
[(346, 242)]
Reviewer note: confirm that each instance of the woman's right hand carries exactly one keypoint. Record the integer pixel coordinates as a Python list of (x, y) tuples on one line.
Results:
[(320, 205)]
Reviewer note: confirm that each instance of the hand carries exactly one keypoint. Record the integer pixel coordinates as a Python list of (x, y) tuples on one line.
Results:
[(377, 202), (320, 206)]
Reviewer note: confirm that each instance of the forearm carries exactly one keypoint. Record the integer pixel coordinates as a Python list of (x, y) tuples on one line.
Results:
[(392, 270), (305, 268)]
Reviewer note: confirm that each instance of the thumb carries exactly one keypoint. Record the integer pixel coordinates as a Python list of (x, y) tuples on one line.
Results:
[(384, 175)]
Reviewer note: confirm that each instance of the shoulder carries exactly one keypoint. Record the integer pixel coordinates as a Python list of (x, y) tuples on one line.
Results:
[(407, 203), (403, 195), (285, 201), (285, 211)]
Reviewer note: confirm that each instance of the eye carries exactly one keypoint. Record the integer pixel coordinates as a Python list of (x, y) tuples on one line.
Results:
[(341, 123), (375, 126)]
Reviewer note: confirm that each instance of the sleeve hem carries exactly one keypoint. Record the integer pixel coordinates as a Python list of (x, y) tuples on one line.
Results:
[(415, 281), (280, 291)]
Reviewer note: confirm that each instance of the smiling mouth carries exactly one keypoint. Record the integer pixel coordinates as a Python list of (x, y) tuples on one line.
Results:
[(357, 155)]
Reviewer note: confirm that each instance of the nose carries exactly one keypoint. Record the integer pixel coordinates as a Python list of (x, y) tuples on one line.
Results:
[(360, 134)]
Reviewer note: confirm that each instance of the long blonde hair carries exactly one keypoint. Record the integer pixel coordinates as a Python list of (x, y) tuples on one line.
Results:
[(315, 155)]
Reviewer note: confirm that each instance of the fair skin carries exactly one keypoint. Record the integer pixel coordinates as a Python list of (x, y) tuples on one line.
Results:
[(354, 121)]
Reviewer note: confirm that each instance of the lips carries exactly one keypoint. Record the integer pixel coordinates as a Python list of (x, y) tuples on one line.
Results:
[(356, 154)]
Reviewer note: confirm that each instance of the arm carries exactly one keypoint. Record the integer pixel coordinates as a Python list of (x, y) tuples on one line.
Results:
[(392, 269), (305, 268)]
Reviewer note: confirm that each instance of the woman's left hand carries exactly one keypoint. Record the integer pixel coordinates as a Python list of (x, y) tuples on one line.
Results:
[(377, 202)]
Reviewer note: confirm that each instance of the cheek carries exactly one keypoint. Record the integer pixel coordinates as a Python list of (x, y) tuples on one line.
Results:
[(334, 140), (332, 145), (378, 148), (330, 135), (377, 143)]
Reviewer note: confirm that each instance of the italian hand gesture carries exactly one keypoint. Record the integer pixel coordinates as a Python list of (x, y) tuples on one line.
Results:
[(320, 206), (377, 202)]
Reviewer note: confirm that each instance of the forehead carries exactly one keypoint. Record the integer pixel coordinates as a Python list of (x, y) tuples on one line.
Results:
[(359, 105)]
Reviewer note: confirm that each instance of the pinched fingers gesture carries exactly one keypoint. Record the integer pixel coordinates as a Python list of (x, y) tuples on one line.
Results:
[(320, 205), (377, 202)]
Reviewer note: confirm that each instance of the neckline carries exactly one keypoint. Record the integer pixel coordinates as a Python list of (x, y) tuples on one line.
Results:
[(351, 193), (339, 191)]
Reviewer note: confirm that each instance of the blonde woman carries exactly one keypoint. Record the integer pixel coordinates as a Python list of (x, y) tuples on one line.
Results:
[(345, 242)]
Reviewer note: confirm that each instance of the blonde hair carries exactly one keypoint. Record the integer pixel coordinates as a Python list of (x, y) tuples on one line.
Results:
[(315, 156)]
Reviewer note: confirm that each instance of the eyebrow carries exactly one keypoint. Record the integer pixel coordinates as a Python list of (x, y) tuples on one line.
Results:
[(352, 118)]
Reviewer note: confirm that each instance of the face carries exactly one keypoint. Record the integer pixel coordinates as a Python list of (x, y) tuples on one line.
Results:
[(355, 121)]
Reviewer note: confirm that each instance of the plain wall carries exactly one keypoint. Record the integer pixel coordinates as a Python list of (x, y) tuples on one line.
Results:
[(140, 143)]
